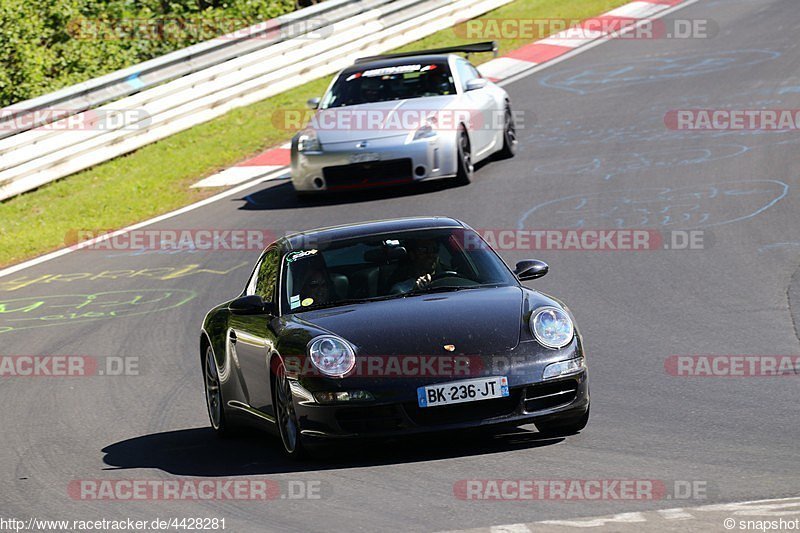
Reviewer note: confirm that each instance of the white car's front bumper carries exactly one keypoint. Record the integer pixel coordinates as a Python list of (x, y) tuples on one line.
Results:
[(382, 162)]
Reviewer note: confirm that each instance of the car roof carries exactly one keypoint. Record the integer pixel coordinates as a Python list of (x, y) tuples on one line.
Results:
[(397, 61), (365, 229)]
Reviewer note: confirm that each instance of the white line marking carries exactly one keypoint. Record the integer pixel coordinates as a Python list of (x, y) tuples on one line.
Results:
[(771, 508), (236, 175), (637, 10), (510, 528), (64, 251), (621, 518), (675, 514)]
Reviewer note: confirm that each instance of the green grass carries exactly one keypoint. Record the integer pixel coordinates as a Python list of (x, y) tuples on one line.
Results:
[(157, 178)]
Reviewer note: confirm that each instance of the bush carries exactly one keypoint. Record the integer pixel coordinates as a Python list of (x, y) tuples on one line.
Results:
[(49, 44)]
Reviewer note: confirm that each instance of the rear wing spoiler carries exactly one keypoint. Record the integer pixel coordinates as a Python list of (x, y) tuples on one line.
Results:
[(474, 48)]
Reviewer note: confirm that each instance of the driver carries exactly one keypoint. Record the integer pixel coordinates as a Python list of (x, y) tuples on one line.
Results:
[(316, 285), (419, 268), (370, 90)]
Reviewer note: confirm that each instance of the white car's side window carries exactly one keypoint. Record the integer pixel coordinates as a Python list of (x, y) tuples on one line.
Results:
[(466, 72)]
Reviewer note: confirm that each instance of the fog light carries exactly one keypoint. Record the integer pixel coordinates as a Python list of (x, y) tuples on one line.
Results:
[(564, 368), (343, 396)]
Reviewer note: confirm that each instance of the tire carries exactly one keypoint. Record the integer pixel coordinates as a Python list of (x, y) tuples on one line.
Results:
[(214, 402), (285, 416), (558, 428), (510, 142), (464, 154)]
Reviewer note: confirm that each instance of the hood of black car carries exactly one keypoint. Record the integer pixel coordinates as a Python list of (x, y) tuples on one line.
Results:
[(476, 321)]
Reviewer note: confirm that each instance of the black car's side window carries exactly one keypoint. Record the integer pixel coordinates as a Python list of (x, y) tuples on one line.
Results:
[(266, 277)]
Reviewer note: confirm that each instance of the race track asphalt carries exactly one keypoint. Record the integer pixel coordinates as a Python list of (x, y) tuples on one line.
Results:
[(594, 153)]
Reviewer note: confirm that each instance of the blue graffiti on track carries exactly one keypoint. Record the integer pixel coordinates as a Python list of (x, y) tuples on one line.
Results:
[(654, 69), (660, 207), (611, 166)]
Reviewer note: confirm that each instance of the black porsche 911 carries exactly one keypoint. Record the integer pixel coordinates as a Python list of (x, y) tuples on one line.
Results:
[(391, 328)]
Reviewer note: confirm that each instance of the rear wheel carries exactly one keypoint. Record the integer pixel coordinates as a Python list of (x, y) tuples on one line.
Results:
[(286, 416), (509, 136), (465, 167)]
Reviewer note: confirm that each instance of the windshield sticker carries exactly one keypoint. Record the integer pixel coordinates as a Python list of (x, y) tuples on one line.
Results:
[(386, 71), (307, 302), (294, 256), (294, 301)]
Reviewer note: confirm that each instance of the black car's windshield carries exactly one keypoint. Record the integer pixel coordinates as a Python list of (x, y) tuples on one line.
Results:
[(398, 82), (389, 266)]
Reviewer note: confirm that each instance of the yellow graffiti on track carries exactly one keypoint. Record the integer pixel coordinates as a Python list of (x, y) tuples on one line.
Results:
[(42, 311), (159, 273)]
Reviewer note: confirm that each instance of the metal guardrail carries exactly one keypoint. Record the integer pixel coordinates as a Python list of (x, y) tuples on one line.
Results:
[(130, 80), (32, 158)]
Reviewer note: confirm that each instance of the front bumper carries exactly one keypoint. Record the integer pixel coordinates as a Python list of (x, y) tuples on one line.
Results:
[(558, 399), (382, 162)]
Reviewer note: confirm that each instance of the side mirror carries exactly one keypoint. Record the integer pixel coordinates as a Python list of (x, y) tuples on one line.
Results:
[(251, 305), (476, 83), (531, 269), (313, 103)]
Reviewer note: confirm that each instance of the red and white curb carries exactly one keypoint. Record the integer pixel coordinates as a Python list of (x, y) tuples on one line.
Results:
[(259, 166), (566, 41), (498, 69)]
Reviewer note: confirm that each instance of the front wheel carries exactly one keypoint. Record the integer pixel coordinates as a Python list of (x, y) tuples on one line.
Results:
[(509, 136), (559, 428), (464, 154), (286, 416)]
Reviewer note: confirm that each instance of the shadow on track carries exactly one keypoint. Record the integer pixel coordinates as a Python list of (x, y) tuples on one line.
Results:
[(199, 452), (282, 196)]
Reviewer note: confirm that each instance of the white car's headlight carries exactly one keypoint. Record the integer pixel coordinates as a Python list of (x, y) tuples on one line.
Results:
[(426, 130), (308, 141), (552, 327), (332, 355)]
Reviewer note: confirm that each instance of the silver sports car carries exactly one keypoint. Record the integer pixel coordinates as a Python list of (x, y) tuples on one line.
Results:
[(401, 118)]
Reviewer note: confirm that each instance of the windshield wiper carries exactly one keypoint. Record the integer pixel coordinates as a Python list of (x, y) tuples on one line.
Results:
[(444, 288), (351, 301)]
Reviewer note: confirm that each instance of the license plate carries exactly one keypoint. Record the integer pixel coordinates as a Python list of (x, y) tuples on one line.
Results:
[(366, 157), (469, 390)]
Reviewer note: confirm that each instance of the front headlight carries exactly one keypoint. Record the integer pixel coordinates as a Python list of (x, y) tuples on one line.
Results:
[(426, 130), (308, 142), (331, 355), (552, 327)]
